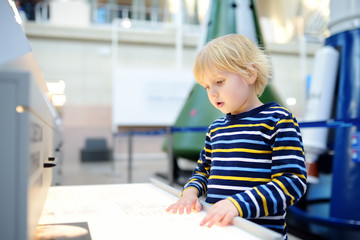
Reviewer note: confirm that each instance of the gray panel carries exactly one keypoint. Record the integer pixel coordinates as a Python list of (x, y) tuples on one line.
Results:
[(8, 164)]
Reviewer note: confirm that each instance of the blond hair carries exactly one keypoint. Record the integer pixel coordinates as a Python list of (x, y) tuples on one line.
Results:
[(233, 53)]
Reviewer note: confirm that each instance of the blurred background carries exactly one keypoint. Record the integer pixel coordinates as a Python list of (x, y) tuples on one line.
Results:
[(118, 64)]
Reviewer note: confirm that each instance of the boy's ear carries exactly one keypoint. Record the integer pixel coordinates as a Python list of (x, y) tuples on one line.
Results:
[(252, 75)]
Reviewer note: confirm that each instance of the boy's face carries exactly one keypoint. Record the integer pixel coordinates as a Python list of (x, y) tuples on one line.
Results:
[(230, 93)]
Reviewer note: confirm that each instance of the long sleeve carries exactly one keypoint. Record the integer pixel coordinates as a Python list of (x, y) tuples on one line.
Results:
[(288, 175), (199, 178)]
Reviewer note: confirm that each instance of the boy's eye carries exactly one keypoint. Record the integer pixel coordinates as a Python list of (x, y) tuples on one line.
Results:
[(219, 82)]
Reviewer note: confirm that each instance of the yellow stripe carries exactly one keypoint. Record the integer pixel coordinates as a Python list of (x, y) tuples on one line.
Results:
[(289, 148), (204, 186), (201, 173), (280, 174), (287, 121), (236, 205), (243, 125), (281, 108), (264, 201), (240, 178), (285, 190), (238, 150)]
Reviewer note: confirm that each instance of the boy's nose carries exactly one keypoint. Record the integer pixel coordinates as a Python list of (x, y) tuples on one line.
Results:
[(213, 92)]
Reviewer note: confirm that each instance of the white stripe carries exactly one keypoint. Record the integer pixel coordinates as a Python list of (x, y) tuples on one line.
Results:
[(275, 111), (242, 160), (241, 132), (285, 130), (301, 182), (257, 133), (287, 157), (228, 187), (220, 120), (197, 183), (288, 130), (255, 203), (281, 194)]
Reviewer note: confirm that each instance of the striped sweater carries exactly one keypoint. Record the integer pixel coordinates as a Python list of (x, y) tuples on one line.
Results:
[(256, 160)]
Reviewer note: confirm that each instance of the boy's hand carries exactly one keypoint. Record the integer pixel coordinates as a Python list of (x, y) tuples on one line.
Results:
[(189, 201), (221, 213)]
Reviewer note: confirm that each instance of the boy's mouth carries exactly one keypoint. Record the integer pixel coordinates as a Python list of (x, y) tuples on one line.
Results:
[(219, 104)]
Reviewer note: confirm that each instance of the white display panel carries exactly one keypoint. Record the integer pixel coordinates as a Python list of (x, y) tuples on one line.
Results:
[(149, 96), (131, 211)]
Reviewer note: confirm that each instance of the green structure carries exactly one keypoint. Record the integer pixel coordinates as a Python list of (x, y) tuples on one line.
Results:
[(197, 110)]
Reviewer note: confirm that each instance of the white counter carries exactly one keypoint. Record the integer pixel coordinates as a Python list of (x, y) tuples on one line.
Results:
[(136, 211)]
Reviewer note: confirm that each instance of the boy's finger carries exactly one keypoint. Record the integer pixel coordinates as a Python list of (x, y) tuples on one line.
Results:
[(206, 219), (216, 219), (174, 207), (169, 208), (188, 207), (203, 222), (198, 206), (181, 207)]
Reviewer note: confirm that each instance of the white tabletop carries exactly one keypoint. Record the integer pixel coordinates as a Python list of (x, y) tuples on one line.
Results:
[(133, 211)]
